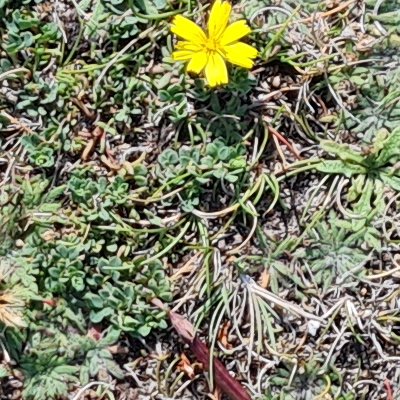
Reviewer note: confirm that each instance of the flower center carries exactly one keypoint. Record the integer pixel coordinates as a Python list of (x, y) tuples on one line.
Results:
[(212, 44)]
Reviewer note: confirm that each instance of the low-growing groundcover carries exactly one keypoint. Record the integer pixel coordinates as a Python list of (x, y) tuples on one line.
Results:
[(265, 211)]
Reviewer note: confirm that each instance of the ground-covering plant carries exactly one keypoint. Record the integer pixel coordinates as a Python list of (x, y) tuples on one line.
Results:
[(260, 199)]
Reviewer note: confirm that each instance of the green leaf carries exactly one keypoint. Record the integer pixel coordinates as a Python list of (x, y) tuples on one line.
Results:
[(3, 372), (373, 238), (168, 157), (98, 316), (392, 181), (150, 6), (343, 151), (66, 370), (84, 375), (231, 178), (391, 149), (111, 337), (144, 330), (113, 368), (340, 167)]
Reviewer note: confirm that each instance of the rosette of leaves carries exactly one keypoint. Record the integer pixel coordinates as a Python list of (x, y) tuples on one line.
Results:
[(27, 32), (19, 201), (120, 294), (174, 98), (40, 152), (370, 173), (198, 168), (107, 290), (375, 95), (56, 266), (125, 97), (48, 371), (333, 252), (274, 260), (38, 98), (53, 365), (217, 161), (98, 199)]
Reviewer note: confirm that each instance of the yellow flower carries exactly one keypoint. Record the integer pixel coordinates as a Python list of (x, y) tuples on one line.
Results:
[(208, 51)]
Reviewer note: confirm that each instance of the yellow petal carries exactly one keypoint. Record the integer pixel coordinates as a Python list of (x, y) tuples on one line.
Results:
[(187, 30), (216, 72), (189, 46), (235, 32), (219, 17), (182, 55), (198, 62), (240, 54)]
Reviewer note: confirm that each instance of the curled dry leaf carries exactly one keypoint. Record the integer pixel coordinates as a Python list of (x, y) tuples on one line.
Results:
[(223, 335), (182, 326), (95, 333), (186, 367), (264, 279)]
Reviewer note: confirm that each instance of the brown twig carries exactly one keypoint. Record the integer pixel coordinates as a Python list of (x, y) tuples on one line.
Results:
[(230, 386), (388, 389), (88, 113), (283, 140), (95, 136)]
